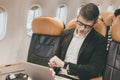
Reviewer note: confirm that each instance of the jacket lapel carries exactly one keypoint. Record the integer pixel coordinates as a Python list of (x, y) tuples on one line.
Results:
[(67, 42), (86, 41)]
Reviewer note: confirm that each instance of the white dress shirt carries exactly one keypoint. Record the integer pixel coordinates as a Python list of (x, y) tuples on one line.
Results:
[(74, 47)]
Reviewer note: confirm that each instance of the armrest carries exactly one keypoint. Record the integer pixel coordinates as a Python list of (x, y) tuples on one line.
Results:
[(98, 78), (12, 64)]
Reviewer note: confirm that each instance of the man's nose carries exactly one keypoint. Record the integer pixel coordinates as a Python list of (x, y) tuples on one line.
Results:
[(82, 27)]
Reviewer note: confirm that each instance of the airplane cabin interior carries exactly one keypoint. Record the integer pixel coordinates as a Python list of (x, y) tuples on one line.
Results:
[(30, 31)]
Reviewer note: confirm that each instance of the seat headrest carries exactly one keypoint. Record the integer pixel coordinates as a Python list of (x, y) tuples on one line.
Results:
[(71, 24), (115, 31), (107, 17), (100, 27), (47, 25)]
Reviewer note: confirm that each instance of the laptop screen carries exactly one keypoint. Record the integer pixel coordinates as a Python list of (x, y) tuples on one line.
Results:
[(37, 72)]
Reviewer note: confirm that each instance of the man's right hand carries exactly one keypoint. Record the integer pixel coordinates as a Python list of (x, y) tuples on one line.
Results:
[(56, 62)]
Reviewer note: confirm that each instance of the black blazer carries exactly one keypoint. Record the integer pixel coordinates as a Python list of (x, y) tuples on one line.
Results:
[(92, 55)]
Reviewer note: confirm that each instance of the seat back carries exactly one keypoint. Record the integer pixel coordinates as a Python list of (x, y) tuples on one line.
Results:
[(71, 24), (101, 28), (45, 39), (112, 71), (104, 23), (106, 17)]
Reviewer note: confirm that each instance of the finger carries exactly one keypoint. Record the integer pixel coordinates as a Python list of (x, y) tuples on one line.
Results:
[(51, 64), (52, 59)]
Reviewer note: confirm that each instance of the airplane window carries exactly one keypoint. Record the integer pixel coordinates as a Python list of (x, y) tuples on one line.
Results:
[(62, 13), (110, 8), (34, 12), (78, 10), (99, 6), (119, 6), (3, 22)]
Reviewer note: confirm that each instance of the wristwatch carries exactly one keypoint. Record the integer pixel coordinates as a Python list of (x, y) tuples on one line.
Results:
[(66, 65)]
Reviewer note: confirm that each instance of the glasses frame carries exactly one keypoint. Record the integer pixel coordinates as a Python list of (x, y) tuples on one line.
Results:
[(85, 25)]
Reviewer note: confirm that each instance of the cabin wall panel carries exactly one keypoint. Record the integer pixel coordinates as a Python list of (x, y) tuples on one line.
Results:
[(10, 46)]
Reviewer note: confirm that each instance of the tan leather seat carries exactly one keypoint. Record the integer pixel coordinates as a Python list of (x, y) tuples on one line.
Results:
[(71, 24), (47, 25), (45, 39), (106, 17), (104, 21), (115, 32), (100, 27)]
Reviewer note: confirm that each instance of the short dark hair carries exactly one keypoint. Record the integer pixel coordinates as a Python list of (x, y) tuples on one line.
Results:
[(117, 12), (89, 11)]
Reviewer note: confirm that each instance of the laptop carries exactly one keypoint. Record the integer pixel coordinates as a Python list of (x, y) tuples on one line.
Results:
[(39, 72)]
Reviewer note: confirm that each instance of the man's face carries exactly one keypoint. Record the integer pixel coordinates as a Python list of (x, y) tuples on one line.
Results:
[(116, 19), (84, 26)]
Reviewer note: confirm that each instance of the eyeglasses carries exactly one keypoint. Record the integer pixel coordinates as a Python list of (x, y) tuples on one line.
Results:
[(82, 24)]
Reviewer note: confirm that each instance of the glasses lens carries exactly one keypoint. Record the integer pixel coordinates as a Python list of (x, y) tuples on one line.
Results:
[(88, 27), (82, 24)]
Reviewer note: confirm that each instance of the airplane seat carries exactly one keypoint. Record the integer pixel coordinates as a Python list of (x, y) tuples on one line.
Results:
[(100, 27), (71, 24), (112, 70), (104, 23), (106, 17), (45, 38)]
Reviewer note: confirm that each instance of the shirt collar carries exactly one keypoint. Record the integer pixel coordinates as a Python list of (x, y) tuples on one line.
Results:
[(76, 35)]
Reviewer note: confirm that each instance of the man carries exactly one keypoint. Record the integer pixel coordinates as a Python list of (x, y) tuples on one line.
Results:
[(116, 17), (82, 51)]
